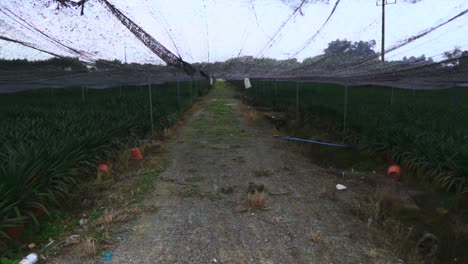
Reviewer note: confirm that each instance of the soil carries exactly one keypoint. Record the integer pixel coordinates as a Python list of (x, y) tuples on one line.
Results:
[(202, 216)]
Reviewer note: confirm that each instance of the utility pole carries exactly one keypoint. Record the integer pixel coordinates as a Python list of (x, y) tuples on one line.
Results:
[(383, 3), (125, 52)]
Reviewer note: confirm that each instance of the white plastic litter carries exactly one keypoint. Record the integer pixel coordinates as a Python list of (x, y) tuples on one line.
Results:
[(83, 221), (247, 83), (341, 187), (211, 81), (30, 259)]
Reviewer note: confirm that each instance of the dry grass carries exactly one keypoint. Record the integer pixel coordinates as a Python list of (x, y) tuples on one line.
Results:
[(257, 200), (379, 207), (402, 244), (382, 203), (315, 236), (152, 148), (328, 192), (251, 115), (121, 162), (116, 216), (88, 246), (256, 196), (376, 207), (168, 132)]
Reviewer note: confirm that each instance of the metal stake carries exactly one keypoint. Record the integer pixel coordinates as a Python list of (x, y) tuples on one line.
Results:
[(276, 88), (178, 94), (455, 106), (297, 99), (345, 109), (151, 105), (391, 98), (191, 96)]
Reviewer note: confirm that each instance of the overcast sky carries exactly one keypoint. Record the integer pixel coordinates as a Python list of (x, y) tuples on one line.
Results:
[(215, 30)]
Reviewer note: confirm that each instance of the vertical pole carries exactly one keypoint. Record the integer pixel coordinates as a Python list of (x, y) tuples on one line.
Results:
[(297, 100), (391, 98), (345, 114), (125, 52), (191, 96), (256, 92), (82, 94), (178, 94), (151, 105), (276, 88), (383, 31), (263, 87), (455, 107)]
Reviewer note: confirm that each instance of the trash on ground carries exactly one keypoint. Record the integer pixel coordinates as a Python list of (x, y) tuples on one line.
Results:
[(30, 259), (103, 166), (83, 221), (341, 187), (394, 172), (136, 154), (107, 256)]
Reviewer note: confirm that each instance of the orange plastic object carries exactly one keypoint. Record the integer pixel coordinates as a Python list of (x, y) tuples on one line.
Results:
[(136, 154), (394, 172), (103, 166)]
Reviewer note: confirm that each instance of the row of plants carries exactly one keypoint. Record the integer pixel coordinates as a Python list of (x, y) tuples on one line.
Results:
[(52, 139), (424, 130)]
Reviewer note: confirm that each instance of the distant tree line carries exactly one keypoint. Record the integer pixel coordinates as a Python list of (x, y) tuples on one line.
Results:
[(53, 63), (338, 53), (342, 53)]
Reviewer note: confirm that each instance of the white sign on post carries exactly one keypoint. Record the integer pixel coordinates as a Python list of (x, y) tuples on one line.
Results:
[(247, 83)]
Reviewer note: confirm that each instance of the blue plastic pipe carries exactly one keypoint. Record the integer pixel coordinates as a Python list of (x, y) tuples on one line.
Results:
[(317, 142)]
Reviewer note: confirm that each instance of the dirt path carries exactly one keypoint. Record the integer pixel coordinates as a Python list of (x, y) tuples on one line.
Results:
[(200, 220)]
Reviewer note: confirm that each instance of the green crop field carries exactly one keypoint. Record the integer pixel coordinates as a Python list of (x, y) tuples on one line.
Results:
[(51, 139), (424, 130)]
